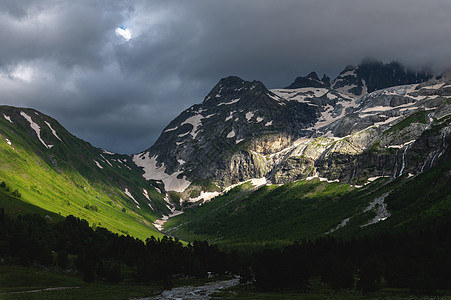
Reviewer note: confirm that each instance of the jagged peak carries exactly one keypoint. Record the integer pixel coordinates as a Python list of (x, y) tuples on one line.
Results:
[(311, 80), (231, 81), (372, 74), (313, 75), (231, 85)]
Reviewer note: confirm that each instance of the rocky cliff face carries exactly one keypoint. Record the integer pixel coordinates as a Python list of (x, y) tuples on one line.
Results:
[(311, 80), (364, 125), (372, 75)]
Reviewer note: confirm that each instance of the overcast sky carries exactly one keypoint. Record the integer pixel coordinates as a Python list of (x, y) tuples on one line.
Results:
[(115, 73)]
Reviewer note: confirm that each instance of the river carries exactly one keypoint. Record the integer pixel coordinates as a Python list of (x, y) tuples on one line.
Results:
[(194, 292)]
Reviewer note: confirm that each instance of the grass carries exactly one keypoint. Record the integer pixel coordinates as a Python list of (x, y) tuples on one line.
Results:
[(64, 179), (15, 207), (417, 117), (321, 293), (17, 282), (30, 283), (274, 216), (271, 214)]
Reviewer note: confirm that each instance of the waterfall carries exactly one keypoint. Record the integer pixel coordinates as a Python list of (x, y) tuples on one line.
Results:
[(433, 159), (443, 142), (396, 164), (354, 171), (422, 168), (437, 155), (404, 159), (429, 121)]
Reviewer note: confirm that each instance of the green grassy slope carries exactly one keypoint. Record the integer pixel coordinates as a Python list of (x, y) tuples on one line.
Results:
[(311, 209), (65, 178)]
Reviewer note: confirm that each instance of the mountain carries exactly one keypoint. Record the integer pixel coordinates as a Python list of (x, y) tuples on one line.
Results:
[(252, 215), (303, 162), (52, 169), (242, 131), (221, 139), (372, 75), (295, 162), (311, 80)]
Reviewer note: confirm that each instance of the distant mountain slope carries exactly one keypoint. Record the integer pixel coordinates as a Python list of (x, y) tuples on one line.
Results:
[(242, 131), (372, 75), (57, 171), (309, 209), (315, 142)]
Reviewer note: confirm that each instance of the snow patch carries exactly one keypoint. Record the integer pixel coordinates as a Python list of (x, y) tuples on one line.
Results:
[(229, 103), (152, 171), (231, 134), (205, 196), (195, 121), (108, 152), (302, 95), (321, 179), (181, 161), (230, 116), (53, 130), (257, 182), (8, 118), (146, 194), (36, 128), (249, 116), (380, 208), (371, 179), (160, 222), (259, 119), (131, 196), (184, 134), (239, 141), (106, 160), (326, 117), (348, 73), (342, 224), (171, 129), (8, 142), (331, 96), (401, 146), (268, 123), (98, 165)]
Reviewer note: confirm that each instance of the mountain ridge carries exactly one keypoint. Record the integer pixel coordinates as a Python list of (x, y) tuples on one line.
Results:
[(56, 171), (242, 130)]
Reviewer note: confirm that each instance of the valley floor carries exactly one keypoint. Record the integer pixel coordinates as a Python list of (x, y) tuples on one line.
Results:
[(50, 284), (323, 293)]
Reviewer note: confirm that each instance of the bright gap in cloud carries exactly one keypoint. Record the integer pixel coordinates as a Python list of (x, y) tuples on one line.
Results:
[(24, 73), (124, 32)]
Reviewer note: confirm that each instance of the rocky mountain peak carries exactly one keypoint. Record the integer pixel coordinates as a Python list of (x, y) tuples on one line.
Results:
[(372, 75), (311, 80), (233, 87)]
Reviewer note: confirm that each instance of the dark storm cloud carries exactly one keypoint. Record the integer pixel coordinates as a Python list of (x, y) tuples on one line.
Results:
[(64, 58)]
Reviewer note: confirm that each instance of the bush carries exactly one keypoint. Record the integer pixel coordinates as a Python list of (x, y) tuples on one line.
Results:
[(17, 194), (91, 207)]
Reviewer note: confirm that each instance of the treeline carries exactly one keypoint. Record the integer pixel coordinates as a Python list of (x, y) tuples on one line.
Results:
[(419, 259), (30, 240)]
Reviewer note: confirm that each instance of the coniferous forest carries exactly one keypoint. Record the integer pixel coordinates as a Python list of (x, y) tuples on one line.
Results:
[(418, 259)]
